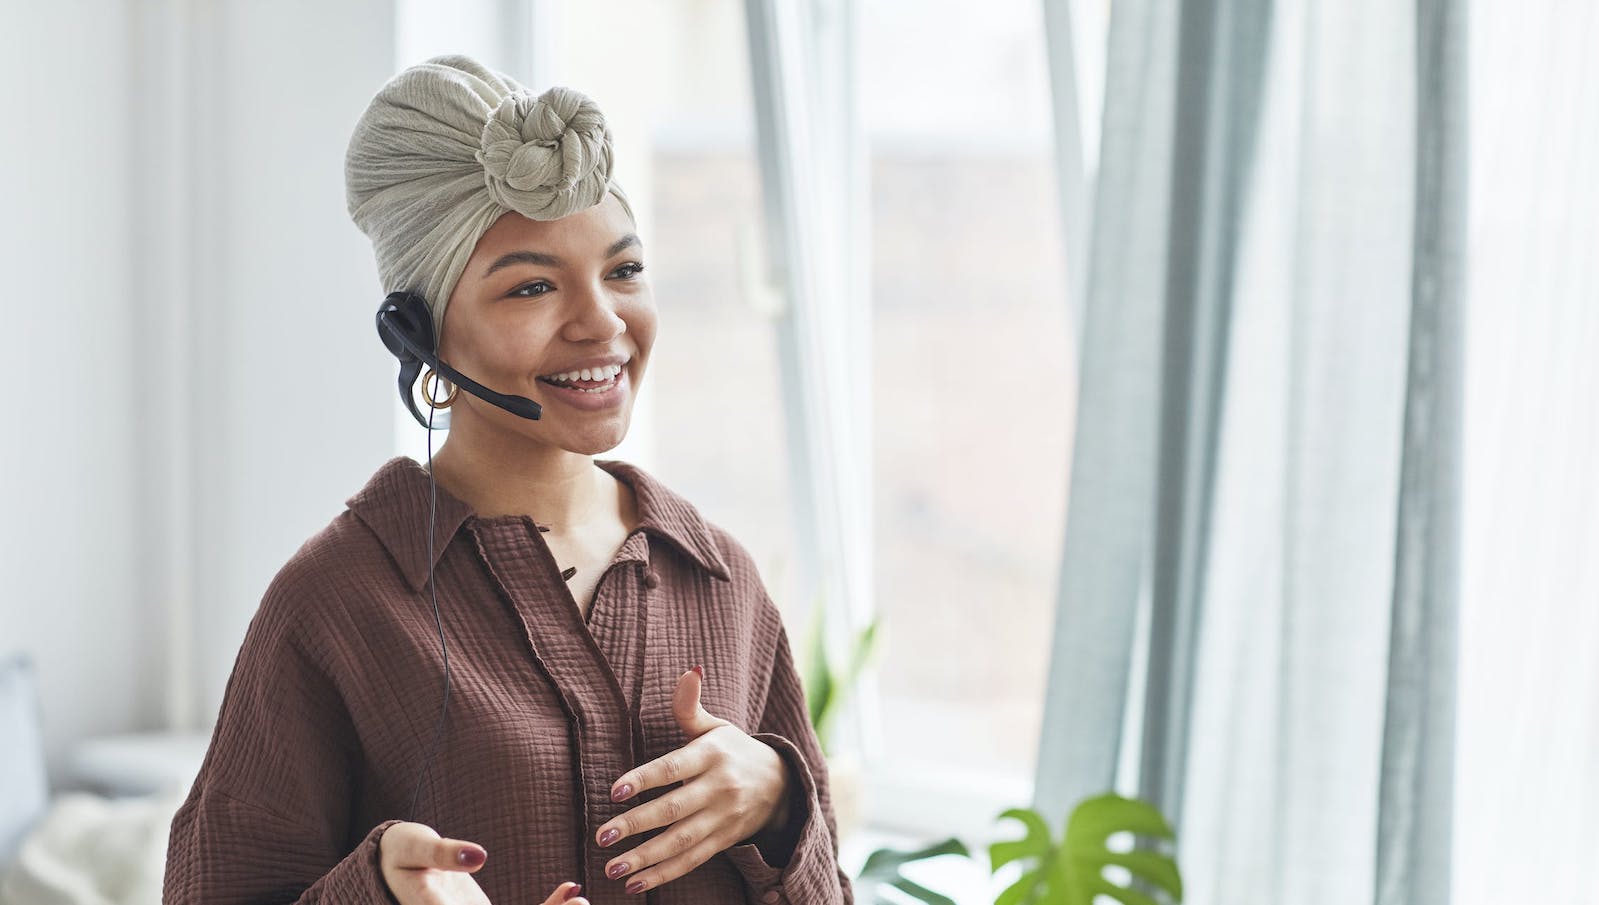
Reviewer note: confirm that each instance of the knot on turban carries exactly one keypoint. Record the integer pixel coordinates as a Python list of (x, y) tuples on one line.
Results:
[(447, 147), (549, 154)]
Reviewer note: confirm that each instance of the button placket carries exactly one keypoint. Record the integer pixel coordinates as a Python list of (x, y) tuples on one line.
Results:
[(524, 568)]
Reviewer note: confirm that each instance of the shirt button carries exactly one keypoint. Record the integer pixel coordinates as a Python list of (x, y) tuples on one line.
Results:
[(771, 896), (651, 579)]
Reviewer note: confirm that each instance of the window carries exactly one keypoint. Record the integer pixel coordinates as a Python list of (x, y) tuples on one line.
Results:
[(973, 385)]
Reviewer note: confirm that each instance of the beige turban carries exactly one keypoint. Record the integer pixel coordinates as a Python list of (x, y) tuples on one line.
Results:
[(448, 146)]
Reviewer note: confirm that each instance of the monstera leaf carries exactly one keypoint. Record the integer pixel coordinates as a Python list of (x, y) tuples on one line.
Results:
[(1073, 873), (882, 868)]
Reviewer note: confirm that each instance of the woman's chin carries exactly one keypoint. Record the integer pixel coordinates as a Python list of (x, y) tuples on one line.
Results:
[(593, 449), (596, 439)]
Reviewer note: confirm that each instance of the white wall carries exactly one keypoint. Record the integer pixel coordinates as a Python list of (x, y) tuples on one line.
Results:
[(293, 388), (67, 449), (197, 385)]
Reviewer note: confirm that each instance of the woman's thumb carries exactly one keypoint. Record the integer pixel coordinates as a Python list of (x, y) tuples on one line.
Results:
[(417, 845), (457, 854), (429, 849), (692, 717)]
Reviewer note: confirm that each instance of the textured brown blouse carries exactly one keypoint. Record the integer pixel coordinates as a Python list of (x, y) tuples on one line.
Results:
[(334, 698)]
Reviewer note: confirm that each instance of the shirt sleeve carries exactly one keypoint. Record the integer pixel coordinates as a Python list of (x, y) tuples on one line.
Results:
[(268, 819), (811, 874)]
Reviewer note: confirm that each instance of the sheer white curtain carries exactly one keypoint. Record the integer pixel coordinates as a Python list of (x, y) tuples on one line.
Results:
[(1259, 591), (1289, 696), (1527, 797), (1292, 684)]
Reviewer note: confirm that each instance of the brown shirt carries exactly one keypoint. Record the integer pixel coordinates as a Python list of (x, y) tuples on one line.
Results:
[(334, 698)]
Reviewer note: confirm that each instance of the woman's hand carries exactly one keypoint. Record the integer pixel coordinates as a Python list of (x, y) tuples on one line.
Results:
[(421, 868), (734, 787)]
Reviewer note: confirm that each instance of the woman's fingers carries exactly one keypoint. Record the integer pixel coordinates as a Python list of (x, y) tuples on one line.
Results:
[(406, 847), (567, 894), (678, 804), (677, 765), (417, 845), (690, 843)]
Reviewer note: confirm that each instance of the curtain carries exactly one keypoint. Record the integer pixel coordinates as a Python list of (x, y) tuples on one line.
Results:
[(1527, 800), (1259, 594)]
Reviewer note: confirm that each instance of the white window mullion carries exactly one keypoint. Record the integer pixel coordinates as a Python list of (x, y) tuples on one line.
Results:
[(812, 167)]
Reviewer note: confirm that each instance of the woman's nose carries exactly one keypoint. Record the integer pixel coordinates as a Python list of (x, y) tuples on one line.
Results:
[(595, 317)]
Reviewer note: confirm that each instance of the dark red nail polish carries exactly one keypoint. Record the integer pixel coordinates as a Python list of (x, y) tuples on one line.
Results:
[(701, 670), (636, 887), (572, 893), (616, 870), (470, 857), (621, 792), (609, 836)]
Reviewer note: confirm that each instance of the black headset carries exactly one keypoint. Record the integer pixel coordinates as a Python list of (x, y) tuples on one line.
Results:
[(406, 327)]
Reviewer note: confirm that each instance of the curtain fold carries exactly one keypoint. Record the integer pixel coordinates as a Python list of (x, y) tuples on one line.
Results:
[(1416, 798), (1221, 61), (1110, 527)]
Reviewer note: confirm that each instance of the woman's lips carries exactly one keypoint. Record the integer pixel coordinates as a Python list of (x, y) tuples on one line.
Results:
[(592, 399)]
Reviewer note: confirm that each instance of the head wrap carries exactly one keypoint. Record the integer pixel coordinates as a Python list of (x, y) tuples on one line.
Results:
[(448, 146)]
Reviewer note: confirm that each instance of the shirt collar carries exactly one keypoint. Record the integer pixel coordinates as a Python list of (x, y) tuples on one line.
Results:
[(394, 504)]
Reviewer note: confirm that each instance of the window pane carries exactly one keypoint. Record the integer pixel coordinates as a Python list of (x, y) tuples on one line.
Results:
[(973, 387)]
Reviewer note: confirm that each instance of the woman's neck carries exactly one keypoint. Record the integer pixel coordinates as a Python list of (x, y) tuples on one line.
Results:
[(555, 487)]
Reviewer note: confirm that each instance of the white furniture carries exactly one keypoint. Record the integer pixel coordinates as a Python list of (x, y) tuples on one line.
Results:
[(24, 788), (138, 763)]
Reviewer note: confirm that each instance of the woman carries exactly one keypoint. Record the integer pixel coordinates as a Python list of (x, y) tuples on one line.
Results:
[(622, 716)]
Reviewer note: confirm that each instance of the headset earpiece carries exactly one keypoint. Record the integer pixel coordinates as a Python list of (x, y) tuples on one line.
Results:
[(406, 327), (407, 313)]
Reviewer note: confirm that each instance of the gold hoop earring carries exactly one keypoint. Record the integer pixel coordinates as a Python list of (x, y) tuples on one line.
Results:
[(447, 401)]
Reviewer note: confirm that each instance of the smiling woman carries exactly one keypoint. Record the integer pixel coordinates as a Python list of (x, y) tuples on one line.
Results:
[(541, 309), (622, 714)]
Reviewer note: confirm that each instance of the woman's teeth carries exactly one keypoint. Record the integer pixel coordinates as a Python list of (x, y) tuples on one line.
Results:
[(600, 379)]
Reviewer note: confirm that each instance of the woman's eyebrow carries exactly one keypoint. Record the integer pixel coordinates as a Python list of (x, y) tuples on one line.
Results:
[(548, 260)]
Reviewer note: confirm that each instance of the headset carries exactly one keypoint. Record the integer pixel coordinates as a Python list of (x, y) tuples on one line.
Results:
[(406, 326)]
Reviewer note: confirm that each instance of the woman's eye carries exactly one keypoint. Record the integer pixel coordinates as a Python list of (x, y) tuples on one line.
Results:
[(518, 290), (627, 271)]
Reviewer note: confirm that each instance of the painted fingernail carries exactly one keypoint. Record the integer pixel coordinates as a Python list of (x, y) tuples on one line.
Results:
[(621, 792), (470, 857), (609, 836), (636, 887), (701, 670), (570, 893), (616, 870)]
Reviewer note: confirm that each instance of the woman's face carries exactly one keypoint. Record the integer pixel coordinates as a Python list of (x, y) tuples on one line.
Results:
[(542, 298)]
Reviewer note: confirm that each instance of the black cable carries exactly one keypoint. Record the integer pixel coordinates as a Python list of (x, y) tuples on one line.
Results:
[(438, 733)]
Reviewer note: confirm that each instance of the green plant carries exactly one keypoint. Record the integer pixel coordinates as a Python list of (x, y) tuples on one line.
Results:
[(882, 869), (825, 686), (1073, 872), (1070, 872)]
